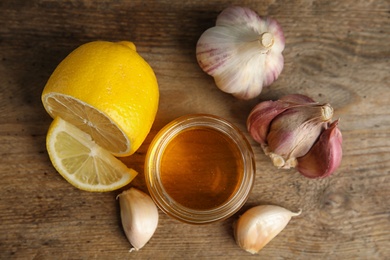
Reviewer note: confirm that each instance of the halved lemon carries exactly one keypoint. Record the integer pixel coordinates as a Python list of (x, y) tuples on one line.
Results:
[(107, 90), (82, 162)]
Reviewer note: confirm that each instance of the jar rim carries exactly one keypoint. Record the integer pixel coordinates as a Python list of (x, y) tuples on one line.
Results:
[(152, 169)]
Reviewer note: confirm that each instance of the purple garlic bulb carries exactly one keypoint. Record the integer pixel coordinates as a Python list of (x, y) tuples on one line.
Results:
[(295, 131)]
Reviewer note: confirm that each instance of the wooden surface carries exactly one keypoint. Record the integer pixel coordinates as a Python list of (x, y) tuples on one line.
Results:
[(336, 52)]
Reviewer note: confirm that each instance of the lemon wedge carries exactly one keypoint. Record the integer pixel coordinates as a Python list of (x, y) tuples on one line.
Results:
[(82, 162)]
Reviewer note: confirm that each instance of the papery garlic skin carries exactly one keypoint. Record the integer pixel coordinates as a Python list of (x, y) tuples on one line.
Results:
[(294, 127), (293, 133), (139, 217), (259, 225), (243, 52), (262, 114), (260, 118)]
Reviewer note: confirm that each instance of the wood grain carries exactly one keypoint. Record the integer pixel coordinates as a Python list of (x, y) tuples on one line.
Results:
[(336, 52)]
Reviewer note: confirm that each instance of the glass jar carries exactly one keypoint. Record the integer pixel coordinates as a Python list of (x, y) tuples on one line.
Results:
[(199, 169)]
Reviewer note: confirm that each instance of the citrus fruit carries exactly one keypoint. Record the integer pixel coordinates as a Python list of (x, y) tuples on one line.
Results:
[(107, 90), (82, 162)]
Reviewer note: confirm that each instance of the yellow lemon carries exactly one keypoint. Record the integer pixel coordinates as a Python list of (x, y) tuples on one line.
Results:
[(82, 162), (107, 90)]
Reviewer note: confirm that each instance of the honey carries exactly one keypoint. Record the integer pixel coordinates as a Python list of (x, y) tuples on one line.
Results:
[(201, 168)]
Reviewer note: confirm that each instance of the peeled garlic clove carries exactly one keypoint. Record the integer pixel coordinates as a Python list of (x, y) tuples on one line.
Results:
[(325, 156), (259, 225), (139, 217), (243, 52), (294, 132)]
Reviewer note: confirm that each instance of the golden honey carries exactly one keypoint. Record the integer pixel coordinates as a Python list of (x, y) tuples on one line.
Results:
[(199, 169)]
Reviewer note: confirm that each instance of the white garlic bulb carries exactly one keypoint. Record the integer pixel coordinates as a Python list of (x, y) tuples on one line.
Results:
[(139, 217), (259, 225), (243, 52)]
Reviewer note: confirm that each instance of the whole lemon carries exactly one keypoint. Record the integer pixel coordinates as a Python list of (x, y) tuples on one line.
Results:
[(107, 90)]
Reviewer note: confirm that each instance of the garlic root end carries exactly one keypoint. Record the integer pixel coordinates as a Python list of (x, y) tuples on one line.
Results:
[(267, 40)]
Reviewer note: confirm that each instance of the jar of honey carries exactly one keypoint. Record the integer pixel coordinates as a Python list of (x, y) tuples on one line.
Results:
[(199, 169)]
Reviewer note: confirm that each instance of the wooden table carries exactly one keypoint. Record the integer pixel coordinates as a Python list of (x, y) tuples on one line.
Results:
[(336, 52)]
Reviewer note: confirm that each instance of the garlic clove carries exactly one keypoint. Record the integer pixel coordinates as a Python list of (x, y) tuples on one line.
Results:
[(243, 52), (294, 131), (262, 114), (260, 118), (139, 217), (259, 225), (325, 156)]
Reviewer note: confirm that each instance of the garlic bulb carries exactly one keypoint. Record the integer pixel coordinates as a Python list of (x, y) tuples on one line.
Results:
[(139, 217), (296, 131), (243, 52), (259, 225)]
